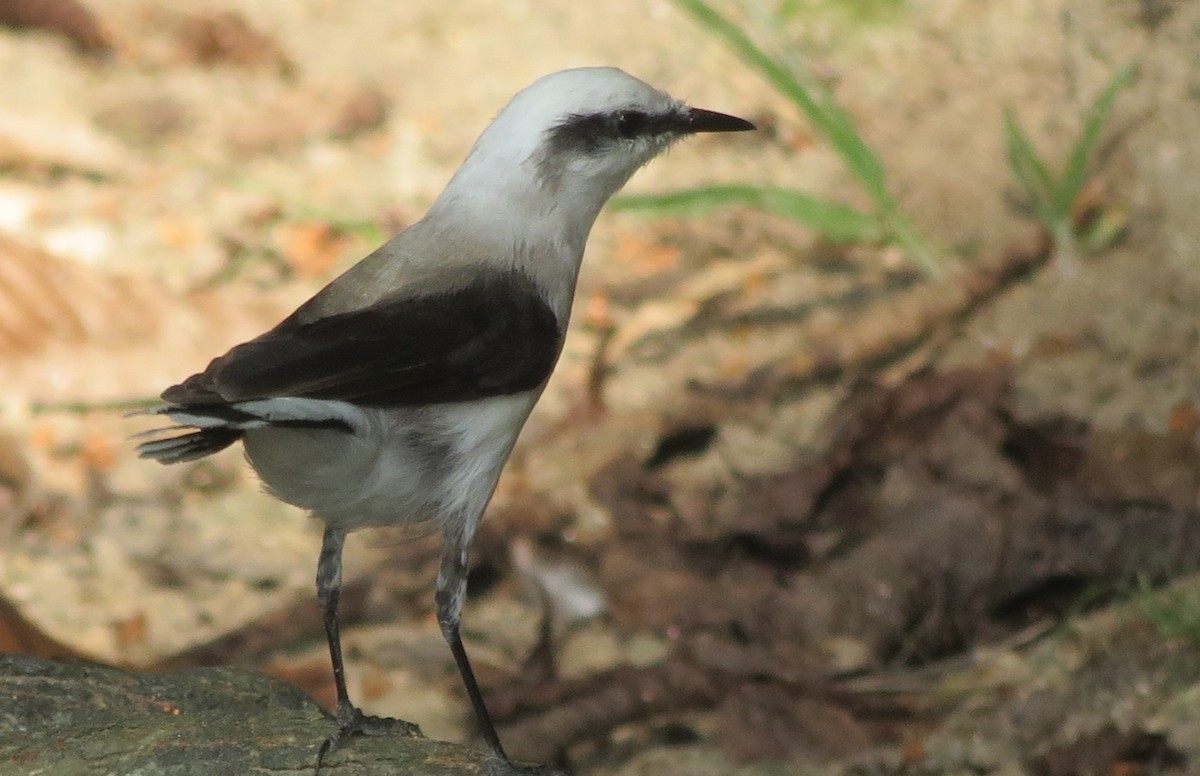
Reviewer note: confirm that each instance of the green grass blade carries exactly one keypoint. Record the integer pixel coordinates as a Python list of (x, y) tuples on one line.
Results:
[(1033, 177), (900, 231), (858, 156), (833, 220), (1073, 176), (824, 114)]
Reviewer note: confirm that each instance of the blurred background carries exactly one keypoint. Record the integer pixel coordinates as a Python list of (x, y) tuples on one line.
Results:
[(873, 448)]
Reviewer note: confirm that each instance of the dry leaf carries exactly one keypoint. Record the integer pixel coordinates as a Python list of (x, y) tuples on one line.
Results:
[(66, 17), (72, 332), (375, 685), (311, 248), (131, 631), (647, 254), (310, 674), (99, 453), (49, 143), (20, 636), (364, 109), (178, 231), (45, 298), (652, 318), (598, 311), (227, 38), (1184, 418)]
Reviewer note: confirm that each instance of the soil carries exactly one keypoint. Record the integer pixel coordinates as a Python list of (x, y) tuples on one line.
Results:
[(785, 507)]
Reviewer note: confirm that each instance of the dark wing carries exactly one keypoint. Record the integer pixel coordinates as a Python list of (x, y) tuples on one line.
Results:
[(493, 337)]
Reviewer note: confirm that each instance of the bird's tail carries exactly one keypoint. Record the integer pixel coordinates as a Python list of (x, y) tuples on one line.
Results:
[(200, 431), (204, 429), (187, 446)]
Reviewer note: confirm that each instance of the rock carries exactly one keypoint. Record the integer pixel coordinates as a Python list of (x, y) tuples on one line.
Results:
[(80, 719)]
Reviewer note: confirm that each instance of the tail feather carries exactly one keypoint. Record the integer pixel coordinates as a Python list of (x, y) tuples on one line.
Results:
[(188, 446), (204, 415), (209, 428)]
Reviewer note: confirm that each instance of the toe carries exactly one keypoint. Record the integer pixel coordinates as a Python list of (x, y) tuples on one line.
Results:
[(352, 722)]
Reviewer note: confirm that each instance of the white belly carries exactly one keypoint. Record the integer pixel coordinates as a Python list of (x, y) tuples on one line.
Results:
[(402, 466)]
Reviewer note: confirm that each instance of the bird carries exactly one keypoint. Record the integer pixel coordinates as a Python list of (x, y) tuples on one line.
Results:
[(396, 393)]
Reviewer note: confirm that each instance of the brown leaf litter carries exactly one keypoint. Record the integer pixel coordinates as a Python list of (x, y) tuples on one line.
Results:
[(934, 522), (73, 332), (67, 18), (227, 38)]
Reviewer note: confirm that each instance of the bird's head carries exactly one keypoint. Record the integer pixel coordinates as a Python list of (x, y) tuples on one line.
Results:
[(578, 135), (599, 124)]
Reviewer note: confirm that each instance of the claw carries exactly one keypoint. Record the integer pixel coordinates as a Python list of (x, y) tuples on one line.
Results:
[(351, 722), (498, 766)]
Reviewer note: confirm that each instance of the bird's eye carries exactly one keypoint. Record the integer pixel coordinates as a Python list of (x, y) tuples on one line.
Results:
[(630, 123)]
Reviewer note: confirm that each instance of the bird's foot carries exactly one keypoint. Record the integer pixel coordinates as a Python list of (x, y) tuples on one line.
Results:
[(499, 766), (352, 722)]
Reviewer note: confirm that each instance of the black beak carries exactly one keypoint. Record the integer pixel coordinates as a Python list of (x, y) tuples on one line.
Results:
[(701, 120)]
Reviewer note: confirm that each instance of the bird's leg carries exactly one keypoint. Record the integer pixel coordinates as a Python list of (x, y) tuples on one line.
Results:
[(451, 590), (349, 717), (329, 591)]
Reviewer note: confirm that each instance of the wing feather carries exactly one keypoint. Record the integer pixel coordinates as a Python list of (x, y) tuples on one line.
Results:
[(494, 336)]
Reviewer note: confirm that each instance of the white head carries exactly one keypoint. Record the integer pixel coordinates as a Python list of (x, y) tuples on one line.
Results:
[(571, 139)]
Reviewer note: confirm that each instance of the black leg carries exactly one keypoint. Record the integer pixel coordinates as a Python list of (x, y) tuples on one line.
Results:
[(350, 719), (451, 591), (329, 590)]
